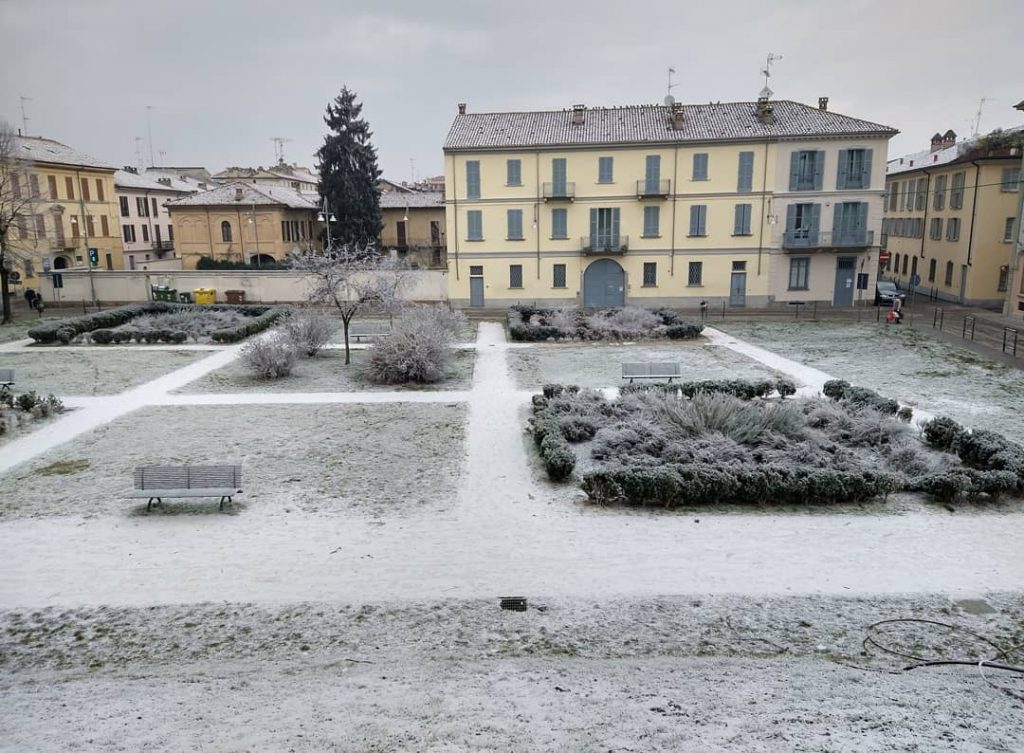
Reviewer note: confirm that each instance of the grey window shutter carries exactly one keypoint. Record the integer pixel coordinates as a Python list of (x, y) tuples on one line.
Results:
[(653, 168), (839, 218), (558, 223), (593, 226), (842, 175), (700, 166), (694, 220), (794, 171), (819, 169), (745, 179), (866, 169), (651, 217), (604, 170), (815, 222), (703, 214), (737, 222), (558, 174), (473, 179), (791, 217), (615, 225), (514, 172)]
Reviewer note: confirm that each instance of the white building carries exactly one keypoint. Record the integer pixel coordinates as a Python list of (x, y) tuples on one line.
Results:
[(146, 228)]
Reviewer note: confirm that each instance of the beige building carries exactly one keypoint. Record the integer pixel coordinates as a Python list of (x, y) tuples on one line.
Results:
[(413, 227), (147, 232), (243, 223), (297, 178), (73, 212), (743, 203), (950, 219)]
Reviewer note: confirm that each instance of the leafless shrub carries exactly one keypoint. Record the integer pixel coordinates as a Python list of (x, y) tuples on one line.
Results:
[(308, 331), (418, 349), (623, 324), (270, 357)]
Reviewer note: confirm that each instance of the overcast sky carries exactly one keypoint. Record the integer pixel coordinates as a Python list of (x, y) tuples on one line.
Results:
[(224, 76)]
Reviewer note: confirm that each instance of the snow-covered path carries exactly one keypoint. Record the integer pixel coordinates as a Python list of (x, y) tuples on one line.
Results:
[(508, 533)]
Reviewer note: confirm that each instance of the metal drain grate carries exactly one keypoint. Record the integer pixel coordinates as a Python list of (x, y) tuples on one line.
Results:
[(514, 603)]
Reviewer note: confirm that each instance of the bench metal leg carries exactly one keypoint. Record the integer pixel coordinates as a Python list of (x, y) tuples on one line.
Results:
[(222, 501), (149, 505)]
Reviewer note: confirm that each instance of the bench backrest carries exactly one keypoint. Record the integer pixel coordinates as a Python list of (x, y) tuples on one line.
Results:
[(651, 370), (6, 375), (188, 477)]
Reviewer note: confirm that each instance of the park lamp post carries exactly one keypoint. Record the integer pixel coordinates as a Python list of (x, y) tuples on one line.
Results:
[(327, 216)]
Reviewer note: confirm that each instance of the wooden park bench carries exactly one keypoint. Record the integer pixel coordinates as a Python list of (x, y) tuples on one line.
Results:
[(158, 481), (362, 336), (6, 380), (667, 371)]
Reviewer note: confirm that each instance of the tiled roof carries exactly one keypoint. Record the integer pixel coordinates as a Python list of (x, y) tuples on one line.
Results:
[(228, 195), (126, 179), (650, 124), (928, 158), (411, 200), (38, 149)]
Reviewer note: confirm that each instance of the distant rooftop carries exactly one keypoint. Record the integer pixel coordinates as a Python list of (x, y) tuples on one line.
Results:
[(944, 156), (411, 199), (48, 151), (129, 179), (245, 194), (643, 124)]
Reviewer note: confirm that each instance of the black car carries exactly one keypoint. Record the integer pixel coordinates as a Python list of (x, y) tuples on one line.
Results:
[(887, 291)]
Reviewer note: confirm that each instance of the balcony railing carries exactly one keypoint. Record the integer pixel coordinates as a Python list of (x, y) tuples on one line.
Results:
[(59, 244), (412, 243), (559, 191), (163, 245), (653, 189), (604, 243), (799, 239)]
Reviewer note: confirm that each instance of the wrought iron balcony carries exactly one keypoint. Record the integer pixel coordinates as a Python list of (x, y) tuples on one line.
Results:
[(604, 243), (163, 245), (59, 244), (406, 244), (559, 191), (806, 239), (653, 189)]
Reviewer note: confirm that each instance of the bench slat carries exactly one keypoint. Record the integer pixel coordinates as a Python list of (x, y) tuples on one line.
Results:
[(231, 491), (187, 477)]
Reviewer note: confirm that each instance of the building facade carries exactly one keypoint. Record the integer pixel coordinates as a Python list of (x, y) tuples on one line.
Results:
[(950, 220), (147, 232), (746, 203), (73, 211), (243, 223), (414, 227), (297, 178)]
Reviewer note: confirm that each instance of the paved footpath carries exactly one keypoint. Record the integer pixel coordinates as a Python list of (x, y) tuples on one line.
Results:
[(509, 532)]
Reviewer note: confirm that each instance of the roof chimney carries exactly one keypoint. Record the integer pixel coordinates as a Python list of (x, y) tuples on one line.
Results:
[(238, 193), (676, 113), (943, 141), (822, 103), (765, 111), (577, 114), (164, 181), (462, 108)]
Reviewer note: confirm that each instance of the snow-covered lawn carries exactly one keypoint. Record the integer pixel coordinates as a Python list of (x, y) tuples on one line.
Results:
[(326, 372), (904, 364), (600, 364), (325, 459), (91, 372)]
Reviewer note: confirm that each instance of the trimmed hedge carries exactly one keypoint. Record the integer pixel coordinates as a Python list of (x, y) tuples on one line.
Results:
[(250, 327), (965, 483), (741, 388), (861, 397), (703, 484), (559, 459), (205, 262), (520, 329), (684, 331)]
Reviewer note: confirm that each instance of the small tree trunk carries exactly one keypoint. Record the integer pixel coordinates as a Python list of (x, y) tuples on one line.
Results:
[(348, 355), (5, 294)]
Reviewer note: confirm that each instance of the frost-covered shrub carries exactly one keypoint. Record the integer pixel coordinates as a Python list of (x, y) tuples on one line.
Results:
[(989, 451), (941, 432), (26, 401), (308, 331), (559, 460), (840, 389), (269, 357), (853, 425), (527, 333), (835, 388), (102, 336), (785, 387), (905, 414), (176, 337), (741, 421), (624, 324), (577, 428), (417, 350), (531, 324), (688, 331)]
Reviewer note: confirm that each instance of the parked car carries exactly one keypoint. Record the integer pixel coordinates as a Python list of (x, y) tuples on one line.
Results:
[(887, 291)]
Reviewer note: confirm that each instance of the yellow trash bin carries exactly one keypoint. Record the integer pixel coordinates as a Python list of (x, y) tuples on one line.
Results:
[(205, 296)]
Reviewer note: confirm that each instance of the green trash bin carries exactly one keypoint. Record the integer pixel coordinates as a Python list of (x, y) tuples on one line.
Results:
[(185, 297)]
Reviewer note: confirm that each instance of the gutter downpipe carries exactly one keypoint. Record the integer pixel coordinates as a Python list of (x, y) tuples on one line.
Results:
[(927, 196), (536, 206), (974, 210), (455, 217), (675, 200), (764, 189)]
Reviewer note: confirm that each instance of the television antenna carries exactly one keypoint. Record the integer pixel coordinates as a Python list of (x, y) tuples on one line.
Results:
[(767, 73), (669, 99), (279, 142), (149, 131), (976, 129), (24, 118), (138, 151)]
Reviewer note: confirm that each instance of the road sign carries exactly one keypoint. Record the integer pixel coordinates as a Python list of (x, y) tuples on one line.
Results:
[(57, 279), (883, 257), (94, 257)]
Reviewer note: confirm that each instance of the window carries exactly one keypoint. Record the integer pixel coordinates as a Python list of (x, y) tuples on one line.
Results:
[(225, 230), (286, 230), (931, 270), (16, 185), (956, 194), (650, 274), (805, 170), (128, 233), (145, 233), (514, 172), (604, 170), (69, 188), (156, 235), (913, 266), (51, 182), (1011, 178), (695, 274), (803, 221), (741, 221), (473, 179), (700, 166), (40, 227), (1004, 274), (949, 273), (476, 271), (155, 212), (559, 223), (90, 226), (105, 225), (906, 258), (141, 206), (854, 169), (99, 191), (604, 228), (939, 197), (515, 275), (474, 225), (798, 269), (85, 190), (935, 233), (896, 263), (515, 224), (22, 226), (559, 276), (922, 194), (904, 189), (953, 229), (170, 233), (58, 229), (652, 173), (907, 198), (123, 201), (75, 232), (558, 176), (745, 176), (652, 215), (698, 220), (33, 185), (1008, 229), (739, 266), (894, 195)]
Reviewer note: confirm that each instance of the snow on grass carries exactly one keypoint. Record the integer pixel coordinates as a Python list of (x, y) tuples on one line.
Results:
[(327, 459), (100, 372), (600, 365), (903, 364), (326, 372)]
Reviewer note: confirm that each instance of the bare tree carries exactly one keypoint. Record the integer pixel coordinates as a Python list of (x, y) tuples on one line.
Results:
[(17, 206), (352, 279)]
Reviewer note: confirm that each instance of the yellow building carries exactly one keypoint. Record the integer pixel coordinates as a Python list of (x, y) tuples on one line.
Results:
[(746, 203), (73, 210), (413, 227), (950, 215), (241, 222)]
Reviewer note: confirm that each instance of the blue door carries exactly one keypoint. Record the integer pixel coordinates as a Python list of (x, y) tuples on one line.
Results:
[(604, 285), (846, 269)]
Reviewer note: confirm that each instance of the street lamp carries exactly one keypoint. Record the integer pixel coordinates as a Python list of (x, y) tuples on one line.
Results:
[(327, 216)]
